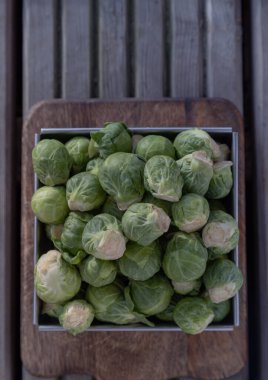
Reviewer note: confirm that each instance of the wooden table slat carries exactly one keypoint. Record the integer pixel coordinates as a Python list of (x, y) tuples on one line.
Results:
[(186, 45), (259, 57), (9, 196), (39, 66), (149, 48), (223, 48), (112, 48), (76, 49)]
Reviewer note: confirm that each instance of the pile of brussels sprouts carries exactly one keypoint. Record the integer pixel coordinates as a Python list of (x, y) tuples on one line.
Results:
[(138, 232)]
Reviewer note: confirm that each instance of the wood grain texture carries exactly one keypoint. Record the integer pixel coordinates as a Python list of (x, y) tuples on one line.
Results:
[(259, 14), (186, 48), (124, 355), (9, 159), (112, 48), (149, 48), (224, 50), (27, 376), (76, 49), (39, 66)]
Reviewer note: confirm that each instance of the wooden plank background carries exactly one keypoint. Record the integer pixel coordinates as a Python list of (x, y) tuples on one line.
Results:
[(9, 204), (142, 48)]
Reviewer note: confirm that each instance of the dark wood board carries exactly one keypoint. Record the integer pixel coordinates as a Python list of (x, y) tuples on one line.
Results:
[(122, 355)]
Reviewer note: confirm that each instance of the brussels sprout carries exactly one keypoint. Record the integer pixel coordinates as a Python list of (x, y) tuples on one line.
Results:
[(151, 296), (220, 310), (224, 153), (144, 223), (110, 306), (52, 309), (222, 279), (49, 204), (196, 171), (103, 238), (167, 314), (70, 244), (190, 213), (110, 207), (54, 231), (93, 166), (152, 145), (92, 150), (185, 258), (222, 180), (186, 287), (55, 280), (97, 272), (165, 205), (76, 316), (84, 192), (135, 140), (195, 139), (140, 263), (78, 150), (101, 298), (193, 315), (51, 162), (162, 178), (114, 137), (121, 176), (221, 234)]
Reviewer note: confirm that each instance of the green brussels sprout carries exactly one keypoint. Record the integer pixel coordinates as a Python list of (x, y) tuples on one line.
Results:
[(49, 204), (111, 306), (222, 279), (135, 140), (84, 192), (221, 234), (78, 150), (152, 145), (93, 166), (54, 231), (195, 139), (121, 176), (114, 137), (144, 223), (167, 314), (71, 238), (224, 153), (162, 178), (222, 180), (186, 287), (140, 263), (51, 162), (185, 258), (92, 149), (152, 296), (101, 298), (193, 315), (196, 170), (110, 207), (52, 309), (55, 280), (97, 272), (220, 310), (76, 316), (161, 203), (190, 213), (215, 205), (103, 238)]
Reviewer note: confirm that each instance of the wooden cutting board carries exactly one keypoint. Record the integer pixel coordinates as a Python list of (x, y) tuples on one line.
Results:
[(128, 355)]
